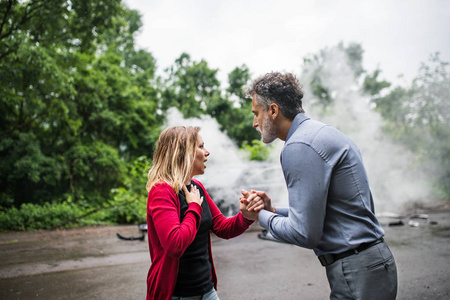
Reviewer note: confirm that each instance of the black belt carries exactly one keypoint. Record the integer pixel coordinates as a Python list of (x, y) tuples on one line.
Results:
[(328, 259)]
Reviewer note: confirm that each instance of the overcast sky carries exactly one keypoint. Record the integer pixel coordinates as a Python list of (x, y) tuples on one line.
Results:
[(268, 35)]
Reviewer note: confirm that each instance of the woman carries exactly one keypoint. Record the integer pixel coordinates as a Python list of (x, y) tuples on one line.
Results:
[(179, 220)]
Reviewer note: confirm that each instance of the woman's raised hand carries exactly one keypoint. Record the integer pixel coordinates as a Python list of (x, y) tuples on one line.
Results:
[(193, 195)]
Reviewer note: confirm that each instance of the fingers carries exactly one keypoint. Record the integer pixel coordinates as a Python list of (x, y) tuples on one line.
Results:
[(196, 193), (263, 195), (193, 195), (194, 190), (255, 200), (245, 193), (252, 196), (243, 200), (256, 204), (249, 198)]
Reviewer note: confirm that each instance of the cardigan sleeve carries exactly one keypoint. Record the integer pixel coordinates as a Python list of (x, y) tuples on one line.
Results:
[(163, 208), (223, 227)]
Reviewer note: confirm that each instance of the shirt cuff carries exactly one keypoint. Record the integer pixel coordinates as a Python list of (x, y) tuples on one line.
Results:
[(264, 218)]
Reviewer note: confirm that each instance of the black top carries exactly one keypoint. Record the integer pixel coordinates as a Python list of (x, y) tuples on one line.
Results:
[(194, 273)]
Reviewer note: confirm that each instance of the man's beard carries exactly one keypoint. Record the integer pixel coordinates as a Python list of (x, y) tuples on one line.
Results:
[(268, 132)]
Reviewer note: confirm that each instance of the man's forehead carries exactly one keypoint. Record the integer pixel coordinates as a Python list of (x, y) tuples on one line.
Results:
[(254, 104)]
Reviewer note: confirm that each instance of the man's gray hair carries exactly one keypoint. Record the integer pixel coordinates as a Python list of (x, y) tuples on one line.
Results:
[(282, 89)]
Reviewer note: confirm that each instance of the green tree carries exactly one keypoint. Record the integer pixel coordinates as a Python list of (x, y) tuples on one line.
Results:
[(193, 88), (257, 150), (372, 86), (315, 69), (190, 86), (419, 117), (78, 102), (233, 111)]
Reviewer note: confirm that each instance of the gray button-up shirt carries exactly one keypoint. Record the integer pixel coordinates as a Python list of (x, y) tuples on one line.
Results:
[(331, 208)]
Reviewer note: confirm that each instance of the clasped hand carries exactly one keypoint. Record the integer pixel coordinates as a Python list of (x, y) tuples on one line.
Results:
[(251, 203)]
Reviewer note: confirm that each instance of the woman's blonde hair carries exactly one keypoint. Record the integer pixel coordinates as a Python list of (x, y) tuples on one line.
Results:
[(173, 159)]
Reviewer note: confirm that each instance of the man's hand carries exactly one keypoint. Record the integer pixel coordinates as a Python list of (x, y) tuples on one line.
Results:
[(253, 212), (254, 204)]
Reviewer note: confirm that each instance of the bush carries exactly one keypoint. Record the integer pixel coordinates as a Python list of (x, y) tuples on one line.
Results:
[(128, 206), (257, 150), (33, 216)]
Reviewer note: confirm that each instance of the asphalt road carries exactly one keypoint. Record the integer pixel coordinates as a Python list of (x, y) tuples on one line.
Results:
[(92, 263)]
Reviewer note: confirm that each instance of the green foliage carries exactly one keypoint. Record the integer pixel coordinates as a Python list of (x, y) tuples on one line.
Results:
[(128, 206), (237, 79), (419, 117), (34, 216), (354, 53), (82, 110), (190, 87), (133, 194), (314, 66), (233, 112), (315, 73), (80, 106), (78, 102), (257, 150), (371, 84), (193, 88), (71, 24)]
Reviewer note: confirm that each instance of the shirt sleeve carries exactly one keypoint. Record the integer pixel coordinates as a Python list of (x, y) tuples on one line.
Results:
[(284, 211), (307, 178)]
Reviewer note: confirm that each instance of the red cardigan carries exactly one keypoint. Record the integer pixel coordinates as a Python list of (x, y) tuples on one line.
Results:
[(168, 238)]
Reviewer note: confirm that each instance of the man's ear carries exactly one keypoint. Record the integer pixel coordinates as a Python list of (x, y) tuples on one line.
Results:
[(273, 111)]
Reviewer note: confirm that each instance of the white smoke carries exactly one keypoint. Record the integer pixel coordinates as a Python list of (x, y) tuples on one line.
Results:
[(395, 182), (228, 170)]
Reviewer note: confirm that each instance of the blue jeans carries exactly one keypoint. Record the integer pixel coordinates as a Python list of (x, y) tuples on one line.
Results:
[(211, 295), (369, 275)]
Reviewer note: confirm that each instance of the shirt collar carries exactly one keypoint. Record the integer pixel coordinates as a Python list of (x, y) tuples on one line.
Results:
[(299, 119)]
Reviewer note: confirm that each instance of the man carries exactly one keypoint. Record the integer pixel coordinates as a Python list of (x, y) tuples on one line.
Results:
[(331, 209)]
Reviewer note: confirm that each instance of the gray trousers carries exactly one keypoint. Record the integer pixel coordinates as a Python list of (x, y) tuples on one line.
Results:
[(370, 274)]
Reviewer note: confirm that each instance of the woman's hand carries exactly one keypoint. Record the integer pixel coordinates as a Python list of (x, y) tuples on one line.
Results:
[(254, 201), (243, 207), (193, 195), (250, 205)]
